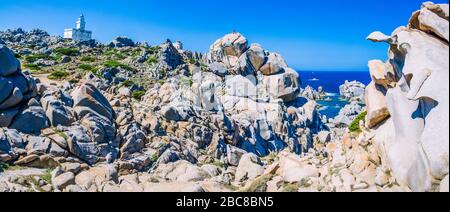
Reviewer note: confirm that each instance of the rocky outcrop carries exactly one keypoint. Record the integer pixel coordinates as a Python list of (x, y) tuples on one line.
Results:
[(93, 138), (352, 91), (418, 103), (122, 41), (16, 89)]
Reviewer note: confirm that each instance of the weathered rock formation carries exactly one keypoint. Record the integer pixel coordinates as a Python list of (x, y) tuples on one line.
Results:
[(413, 87)]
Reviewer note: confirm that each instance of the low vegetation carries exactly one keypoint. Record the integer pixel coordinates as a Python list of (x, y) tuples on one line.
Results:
[(138, 94), (67, 51), (31, 66), (58, 75), (117, 64), (3, 167), (88, 59), (35, 57), (47, 177), (354, 126), (260, 184)]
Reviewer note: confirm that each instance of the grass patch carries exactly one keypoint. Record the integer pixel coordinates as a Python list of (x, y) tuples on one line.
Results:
[(291, 187), (138, 94), (67, 51), (152, 60), (127, 83), (116, 64), (186, 81), (219, 163), (192, 61), (47, 177), (354, 126), (88, 59), (86, 67), (58, 74), (154, 158), (119, 56), (35, 57), (32, 66), (153, 49), (260, 184)]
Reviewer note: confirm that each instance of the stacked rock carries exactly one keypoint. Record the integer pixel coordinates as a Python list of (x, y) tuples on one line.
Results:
[(16, 89)]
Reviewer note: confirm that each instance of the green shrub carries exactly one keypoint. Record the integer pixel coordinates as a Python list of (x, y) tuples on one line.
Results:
[(18, 56), (86, 67), (67, 51), (288, 187), (112, 64), (192, 61), (187, 81), (153, 49), (218, 163), (354, 126), (58, 74), (90, 68), (127, 83), (35, 57), (154, 158), (138, 94), (47, 177), (116, 64), (119, 56), (152, 60), (3, 167), (32, 66), (87, 59)]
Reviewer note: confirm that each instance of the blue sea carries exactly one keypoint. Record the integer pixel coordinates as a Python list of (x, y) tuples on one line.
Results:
[(330, 81)]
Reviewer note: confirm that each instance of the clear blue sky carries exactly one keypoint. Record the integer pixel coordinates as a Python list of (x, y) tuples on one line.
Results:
[(311, 35)]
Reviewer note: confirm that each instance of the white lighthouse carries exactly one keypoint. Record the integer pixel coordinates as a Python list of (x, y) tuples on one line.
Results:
[(79, 33)]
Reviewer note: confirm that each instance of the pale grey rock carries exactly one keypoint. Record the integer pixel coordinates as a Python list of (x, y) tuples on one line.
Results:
[(352, 91), (87, 95), (177, 113), (62, 181), (249, 168), (181, 171), (31, 120), (257, 56), (419, 154), (13, 100), (172, 187), (7, 116), (9, 64), (97, 176), (234, 155), (218, 69), (6, 87), (231, 45), (122, 41), (274, 65), (293, 170), (240, 86), (170, 56), (431, 22), (284, 86), (444, 187), (377, 110)]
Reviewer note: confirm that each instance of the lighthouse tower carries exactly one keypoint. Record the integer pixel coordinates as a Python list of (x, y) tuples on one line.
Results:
[(79, 33), (81, 23)]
